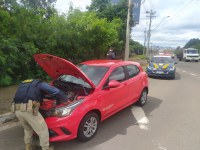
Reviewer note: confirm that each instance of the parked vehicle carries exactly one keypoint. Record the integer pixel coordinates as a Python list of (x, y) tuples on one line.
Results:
[(97, 89), (189, 54), (179, 55), (161, 66)]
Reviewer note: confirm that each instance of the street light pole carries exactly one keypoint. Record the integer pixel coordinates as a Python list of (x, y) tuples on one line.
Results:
[(160, 23), (126, 56)]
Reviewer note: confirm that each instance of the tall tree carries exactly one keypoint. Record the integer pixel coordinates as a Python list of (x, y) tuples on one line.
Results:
[(105, 9)]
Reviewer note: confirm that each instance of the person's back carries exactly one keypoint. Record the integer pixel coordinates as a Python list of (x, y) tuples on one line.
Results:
[(26, 105)]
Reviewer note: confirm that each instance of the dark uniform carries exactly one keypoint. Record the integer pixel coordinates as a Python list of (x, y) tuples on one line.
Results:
[(26, 104), (111, 54)]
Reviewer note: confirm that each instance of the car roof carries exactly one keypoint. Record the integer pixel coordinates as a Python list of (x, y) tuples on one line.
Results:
[(162, 56), (108, 63)]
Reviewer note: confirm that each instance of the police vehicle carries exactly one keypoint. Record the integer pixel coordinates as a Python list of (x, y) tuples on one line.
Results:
[(161, 66)]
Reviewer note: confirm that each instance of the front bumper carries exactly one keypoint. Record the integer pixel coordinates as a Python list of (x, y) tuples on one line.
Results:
[(161, 73), (64, 128), (192, 58), (61, 129)]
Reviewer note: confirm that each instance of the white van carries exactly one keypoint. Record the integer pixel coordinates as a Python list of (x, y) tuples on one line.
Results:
[(191, 54)]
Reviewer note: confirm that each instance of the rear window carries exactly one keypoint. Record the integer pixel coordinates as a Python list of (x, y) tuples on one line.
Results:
[(132, 71)]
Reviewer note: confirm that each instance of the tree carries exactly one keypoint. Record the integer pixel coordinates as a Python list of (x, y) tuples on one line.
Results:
[(193, 43), (42, 4), (105, 9), (25, 31), (136, 47), (84, 36)]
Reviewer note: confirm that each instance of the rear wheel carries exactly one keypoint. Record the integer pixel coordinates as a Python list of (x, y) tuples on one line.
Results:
[(88, 127), (143, 98)]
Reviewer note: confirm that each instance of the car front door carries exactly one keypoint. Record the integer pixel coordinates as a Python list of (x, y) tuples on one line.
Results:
[(114, 99)]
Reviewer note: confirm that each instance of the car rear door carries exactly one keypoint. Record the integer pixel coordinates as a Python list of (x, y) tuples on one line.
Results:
[(134, 82)]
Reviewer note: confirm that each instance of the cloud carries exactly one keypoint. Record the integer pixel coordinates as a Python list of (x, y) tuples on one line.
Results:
[(63, 5), (176, 30), (179, 28)]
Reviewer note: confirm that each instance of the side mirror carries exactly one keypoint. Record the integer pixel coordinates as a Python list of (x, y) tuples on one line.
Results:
[(113, 84)]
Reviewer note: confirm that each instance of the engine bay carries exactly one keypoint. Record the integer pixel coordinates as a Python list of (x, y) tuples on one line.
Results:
[(73, 91)]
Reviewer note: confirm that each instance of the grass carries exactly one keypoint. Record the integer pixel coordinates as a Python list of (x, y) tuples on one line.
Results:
[(140, 59)]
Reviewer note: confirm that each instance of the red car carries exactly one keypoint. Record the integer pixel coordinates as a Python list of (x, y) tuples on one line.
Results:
[(96, 90)]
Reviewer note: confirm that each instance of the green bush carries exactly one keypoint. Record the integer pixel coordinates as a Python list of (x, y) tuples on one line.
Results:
[(5, 80)]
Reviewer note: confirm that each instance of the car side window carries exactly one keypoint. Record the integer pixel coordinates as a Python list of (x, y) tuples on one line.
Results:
[(132, 71), (118, 74)]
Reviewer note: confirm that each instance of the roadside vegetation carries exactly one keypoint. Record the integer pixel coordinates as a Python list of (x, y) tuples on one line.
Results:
[(32, 26)]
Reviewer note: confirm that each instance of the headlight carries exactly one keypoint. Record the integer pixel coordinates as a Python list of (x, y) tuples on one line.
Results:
[(172, 69), (150, 68), (65, 110)]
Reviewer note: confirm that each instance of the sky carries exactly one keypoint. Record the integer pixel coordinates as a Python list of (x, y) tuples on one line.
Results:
[(174, 24)]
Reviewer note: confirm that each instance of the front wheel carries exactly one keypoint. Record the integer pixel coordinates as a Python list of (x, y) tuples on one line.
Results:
[(88, 127), (143, 98)]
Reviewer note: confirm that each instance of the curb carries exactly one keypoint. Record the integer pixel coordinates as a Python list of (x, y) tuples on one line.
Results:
[(7, 117)]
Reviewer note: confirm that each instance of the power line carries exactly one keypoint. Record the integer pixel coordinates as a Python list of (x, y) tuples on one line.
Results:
[(144, 7), (182, 10), (189, 4), (174, 10), (151, 4)]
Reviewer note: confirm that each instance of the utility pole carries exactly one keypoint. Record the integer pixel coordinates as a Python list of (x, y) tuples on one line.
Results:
[(145, 39), (151, 15), (126, 56)]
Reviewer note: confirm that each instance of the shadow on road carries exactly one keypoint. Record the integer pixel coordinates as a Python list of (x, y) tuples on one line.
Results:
[(110, 128)]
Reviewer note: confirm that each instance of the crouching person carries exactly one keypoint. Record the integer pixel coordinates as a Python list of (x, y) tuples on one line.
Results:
[(26, 105)]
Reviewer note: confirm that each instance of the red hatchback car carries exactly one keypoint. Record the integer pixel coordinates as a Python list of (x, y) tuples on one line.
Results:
[(96, 90)]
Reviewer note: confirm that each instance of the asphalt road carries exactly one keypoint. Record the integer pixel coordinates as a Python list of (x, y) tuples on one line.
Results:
[(169, 120)]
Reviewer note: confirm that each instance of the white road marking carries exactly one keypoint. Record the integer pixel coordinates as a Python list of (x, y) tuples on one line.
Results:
[(184, 71), (193, 74), (141, 118), (9, 125), (178, 69), (162, 148)]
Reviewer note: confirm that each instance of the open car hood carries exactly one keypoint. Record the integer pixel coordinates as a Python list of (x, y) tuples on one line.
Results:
[(56, 66)]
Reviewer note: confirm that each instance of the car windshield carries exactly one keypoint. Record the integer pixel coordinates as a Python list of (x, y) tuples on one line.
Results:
[(162, 60), (94, 73), (192, 51), (73, 79)]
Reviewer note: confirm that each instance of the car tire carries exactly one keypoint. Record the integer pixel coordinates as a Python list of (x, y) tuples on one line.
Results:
[(88, 127), (143, 98)]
